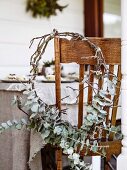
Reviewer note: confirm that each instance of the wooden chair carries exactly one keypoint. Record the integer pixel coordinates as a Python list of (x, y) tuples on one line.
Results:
[(78, 51)]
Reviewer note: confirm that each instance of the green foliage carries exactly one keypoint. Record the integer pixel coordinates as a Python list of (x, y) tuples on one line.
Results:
[(49, 63), (44, 8)]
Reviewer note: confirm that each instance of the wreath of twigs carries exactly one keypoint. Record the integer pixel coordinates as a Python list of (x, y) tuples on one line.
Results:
[(44, 40), (47, 120)]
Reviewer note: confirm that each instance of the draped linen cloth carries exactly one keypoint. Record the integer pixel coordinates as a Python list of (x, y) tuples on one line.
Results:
[(20, 149), (14, 144)]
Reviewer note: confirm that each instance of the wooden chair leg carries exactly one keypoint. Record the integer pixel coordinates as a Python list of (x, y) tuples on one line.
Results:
[(59, 159), (106, 165)]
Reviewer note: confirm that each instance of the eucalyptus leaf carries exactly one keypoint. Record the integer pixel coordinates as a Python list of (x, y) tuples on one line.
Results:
[(88, 123), (24, 121), (108, 100), (58, 130), (89, 109), (82, 145), (46, 125), (96, 106), (14, 100), (33, 115), (62, 144), (18, 126), (109, 84), (5, 125), (97, 99), (15, 121), (41, 109), (103, 151), (26, 92), (103, 112), (35, 108), (103, 93), (94, 149), (115, 80), (9, 123), (29, 102), (45, 134), (87, 142), (30, 97), (53, 117), (102, 116), (108, 104), (70, 151)]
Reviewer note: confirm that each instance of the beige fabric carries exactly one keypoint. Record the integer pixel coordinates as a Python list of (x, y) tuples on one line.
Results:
[(36, 143), (14, 144), (17, 147)]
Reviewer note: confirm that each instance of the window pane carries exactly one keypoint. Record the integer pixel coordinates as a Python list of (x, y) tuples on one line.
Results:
[(112, 18)]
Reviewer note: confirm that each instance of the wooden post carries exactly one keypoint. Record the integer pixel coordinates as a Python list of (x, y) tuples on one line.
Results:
[(122, 158), (93, 18), (58, 93)]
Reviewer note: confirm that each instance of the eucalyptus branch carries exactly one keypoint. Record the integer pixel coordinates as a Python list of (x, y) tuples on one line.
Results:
[(19, 105), (62, 99), (23, 111), (14, 123), (89, 145), (108, 129)]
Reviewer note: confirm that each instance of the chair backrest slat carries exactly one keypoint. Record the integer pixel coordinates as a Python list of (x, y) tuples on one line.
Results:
[(81, 94), (90, 84), (79, 51), (57, 73), (116, 97), (111, 69), (116, 101)]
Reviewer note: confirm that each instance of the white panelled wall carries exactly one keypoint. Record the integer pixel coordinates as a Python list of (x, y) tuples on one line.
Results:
[(17, 28)]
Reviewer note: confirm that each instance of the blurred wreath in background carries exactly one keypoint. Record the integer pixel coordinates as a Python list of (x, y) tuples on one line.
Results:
[(45, 8)]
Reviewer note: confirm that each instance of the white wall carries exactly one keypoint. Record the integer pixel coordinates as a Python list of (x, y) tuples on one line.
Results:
[(17, 28)]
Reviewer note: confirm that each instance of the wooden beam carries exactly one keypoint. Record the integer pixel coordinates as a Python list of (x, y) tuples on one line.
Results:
[(93, 18)]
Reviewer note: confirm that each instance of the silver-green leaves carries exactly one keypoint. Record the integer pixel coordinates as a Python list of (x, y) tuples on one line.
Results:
[(47, 121), (13, 124)]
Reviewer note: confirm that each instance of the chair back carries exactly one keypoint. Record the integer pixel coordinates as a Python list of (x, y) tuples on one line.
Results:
[(80, 52)]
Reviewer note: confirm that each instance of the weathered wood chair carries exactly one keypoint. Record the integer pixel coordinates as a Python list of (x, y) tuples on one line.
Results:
[(68, 51)]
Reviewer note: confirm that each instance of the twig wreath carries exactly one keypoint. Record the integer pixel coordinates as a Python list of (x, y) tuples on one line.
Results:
[(47, 120)]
